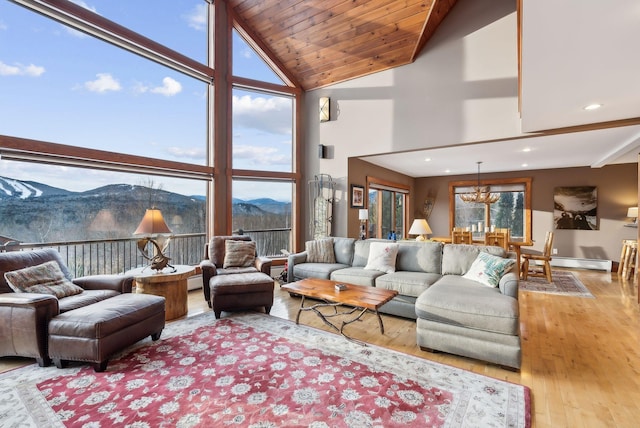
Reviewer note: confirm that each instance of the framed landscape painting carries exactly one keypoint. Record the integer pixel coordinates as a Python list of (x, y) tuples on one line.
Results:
[(575, 207), (357, 196)]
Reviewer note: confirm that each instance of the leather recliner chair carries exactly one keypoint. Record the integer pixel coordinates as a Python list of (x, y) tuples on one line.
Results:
[(25, 316), (212, 265)]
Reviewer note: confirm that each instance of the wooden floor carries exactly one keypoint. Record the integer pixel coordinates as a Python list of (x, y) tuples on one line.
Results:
[(581, 357)]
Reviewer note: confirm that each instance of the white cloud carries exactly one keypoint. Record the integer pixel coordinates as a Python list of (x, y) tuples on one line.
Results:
[(20, 70), (3, 26), (197, 18), (247, 53), (169, 88), (272, 115), (140, 88), (104, 83), (85, 5), (189, 153), (257, 155)]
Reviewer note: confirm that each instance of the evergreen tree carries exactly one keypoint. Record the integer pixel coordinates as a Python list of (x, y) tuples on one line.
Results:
[(517, 223), (504, 210)]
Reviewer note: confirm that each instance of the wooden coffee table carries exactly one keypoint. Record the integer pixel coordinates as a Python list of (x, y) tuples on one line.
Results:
[(360, 298)]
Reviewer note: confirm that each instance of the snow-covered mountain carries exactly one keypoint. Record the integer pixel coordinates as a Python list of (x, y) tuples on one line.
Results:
[(17, 189)]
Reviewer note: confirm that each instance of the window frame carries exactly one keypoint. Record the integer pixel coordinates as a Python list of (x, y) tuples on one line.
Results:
[(526, 181), (397, 189)]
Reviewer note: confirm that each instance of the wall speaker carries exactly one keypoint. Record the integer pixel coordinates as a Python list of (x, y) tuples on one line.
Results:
[(322, 151)]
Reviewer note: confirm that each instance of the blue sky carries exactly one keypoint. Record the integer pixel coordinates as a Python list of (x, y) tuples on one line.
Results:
[(63, 86)]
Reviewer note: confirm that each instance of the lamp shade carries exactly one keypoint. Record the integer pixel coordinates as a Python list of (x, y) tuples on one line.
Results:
[(363, 215), (152, 223), (420, 227), (632, 212)]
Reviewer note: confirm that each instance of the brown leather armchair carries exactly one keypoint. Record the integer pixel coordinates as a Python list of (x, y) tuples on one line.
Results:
[(25, 316), (213, 262)]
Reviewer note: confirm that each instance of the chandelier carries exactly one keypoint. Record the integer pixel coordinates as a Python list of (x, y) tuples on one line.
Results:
[(480, 194)]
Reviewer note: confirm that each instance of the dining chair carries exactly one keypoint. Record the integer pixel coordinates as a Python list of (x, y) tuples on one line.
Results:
[(545, 258), (461, 237), (499, 238), (628, 258)]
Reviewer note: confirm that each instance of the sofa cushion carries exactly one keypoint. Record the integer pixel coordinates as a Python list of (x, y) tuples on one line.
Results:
[(407, 283), (320, 251), (487, 269), (86, 298), (239, 253), (419, 257), (356, 275), (382, 257), (462, 302), (361, 251), (46, 278), (343, 250), (458, 258), (315, 270)]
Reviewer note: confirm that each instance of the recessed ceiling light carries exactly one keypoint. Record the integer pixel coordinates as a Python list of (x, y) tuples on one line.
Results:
[(526, 149), (524, 165), (447, 171), (593, 106), (427, 159)]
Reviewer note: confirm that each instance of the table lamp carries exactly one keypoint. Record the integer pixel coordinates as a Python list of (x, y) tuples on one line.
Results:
[(421, 228), (633, 213), (153, 224)]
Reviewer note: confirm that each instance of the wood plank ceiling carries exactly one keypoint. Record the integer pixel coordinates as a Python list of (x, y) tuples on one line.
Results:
[(323, 42)]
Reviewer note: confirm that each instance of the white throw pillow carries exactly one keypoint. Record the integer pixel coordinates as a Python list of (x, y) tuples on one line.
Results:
[(382, 257), (487, 269)]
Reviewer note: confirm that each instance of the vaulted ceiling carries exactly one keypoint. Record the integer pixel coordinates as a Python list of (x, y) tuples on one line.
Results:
[(322, 42)]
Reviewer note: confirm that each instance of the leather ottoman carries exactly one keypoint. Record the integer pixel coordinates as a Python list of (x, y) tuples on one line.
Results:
[(95, 332), (241, 291)]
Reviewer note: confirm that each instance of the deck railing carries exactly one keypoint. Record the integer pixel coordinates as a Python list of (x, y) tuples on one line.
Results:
[(107, 256)]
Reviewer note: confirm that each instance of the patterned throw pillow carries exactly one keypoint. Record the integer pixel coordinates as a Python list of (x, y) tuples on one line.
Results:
[(487, 269), (382, 257), (239, 253), (320, 251), (46, 278)]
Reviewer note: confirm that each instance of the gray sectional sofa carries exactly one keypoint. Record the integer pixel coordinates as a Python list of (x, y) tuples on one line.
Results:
[(454, 314)]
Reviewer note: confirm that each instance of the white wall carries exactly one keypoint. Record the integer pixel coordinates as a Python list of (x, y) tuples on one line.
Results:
[(462, 88)]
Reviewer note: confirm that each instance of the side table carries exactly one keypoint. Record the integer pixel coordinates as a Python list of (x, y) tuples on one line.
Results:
[(170, 285)]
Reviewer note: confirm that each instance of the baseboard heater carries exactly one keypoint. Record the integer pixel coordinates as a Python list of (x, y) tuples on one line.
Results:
[(570, 262), (194, 282)]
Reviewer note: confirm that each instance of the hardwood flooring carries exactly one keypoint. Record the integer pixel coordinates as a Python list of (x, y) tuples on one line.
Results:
[(581, 356)]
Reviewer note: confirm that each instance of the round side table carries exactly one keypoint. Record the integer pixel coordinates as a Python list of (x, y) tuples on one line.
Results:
[(170, 285)]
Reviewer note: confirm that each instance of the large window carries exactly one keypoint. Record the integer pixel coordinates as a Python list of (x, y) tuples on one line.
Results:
[(121, 100), (63, 86), (264, 213), (262, 152), (387, 209), (512, 210)]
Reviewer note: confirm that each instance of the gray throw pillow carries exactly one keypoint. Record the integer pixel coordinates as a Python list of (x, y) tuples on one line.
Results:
[(239, 253), (46, 278), (320, 251)]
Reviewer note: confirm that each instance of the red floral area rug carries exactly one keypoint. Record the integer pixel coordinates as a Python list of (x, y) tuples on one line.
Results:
[(254, 370), (564, 283)]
